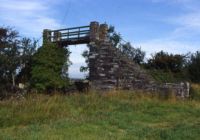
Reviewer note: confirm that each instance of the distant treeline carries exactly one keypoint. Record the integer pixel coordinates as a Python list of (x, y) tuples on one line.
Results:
[(45, 68)]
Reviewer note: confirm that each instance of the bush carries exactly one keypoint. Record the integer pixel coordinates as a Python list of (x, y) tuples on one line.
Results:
[(50, 66), (195, 92)]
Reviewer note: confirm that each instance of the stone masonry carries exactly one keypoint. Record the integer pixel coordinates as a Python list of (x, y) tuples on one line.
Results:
[(108, 67)]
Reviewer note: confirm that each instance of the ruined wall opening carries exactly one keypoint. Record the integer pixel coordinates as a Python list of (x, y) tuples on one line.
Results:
[(77, 61)]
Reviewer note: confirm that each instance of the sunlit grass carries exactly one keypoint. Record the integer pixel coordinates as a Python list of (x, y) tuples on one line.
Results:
[(111, 115)]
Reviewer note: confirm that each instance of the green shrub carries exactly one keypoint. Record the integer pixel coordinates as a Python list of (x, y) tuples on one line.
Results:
[(195, 92), (49, 68)]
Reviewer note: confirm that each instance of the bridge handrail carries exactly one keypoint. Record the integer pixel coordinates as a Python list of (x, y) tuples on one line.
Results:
[(69, 33), (75, 33), (66, 29), (65, 35)]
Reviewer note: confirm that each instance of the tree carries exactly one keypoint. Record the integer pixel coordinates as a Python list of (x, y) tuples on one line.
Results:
[(85, 54), (114, 37), (9, 56), (168, 62), (194, 67), (27, 50), (135, 54), (50, 66)]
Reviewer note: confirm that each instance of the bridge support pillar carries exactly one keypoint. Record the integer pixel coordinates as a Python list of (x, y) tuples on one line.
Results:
[(46, 36), (94, 31), (103, 65), (103, 32)]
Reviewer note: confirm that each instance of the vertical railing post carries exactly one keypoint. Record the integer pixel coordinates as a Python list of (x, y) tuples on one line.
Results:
[(68, 34), (79, 29), (57, 36)]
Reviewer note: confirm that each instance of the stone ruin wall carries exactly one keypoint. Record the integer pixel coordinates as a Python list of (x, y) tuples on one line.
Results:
[(110, 69)]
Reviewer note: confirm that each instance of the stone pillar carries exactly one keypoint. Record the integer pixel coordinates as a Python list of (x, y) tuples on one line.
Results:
[(93, 57), (103, 32), (46, 36), (57, 36), (102, 67), (94, 31)]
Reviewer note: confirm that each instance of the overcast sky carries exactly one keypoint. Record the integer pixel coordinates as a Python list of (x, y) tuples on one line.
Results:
[(153, 25)]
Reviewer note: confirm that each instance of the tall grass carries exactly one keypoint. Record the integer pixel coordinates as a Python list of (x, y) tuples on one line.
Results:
[(112, 115), (195, 92)]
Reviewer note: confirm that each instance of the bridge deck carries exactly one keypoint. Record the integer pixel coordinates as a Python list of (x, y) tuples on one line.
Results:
[(74, 41)]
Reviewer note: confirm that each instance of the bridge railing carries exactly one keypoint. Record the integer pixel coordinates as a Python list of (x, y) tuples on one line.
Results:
[(75, 33)]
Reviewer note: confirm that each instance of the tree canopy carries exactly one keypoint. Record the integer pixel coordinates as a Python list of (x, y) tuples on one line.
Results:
[(9, 55), (194, 67), (15, 59), (163, 60), (50, 68)]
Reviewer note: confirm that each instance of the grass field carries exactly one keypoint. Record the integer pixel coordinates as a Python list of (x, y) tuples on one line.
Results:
[(115, 115)]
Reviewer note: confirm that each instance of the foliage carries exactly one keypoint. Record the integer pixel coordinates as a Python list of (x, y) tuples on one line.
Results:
[(85, 55), (163, 76), (50, 66), (9, 56), (115, 115), (15, 60), (17, 63), (135, 54), (194, 67), (169, 62), (27, 50), (115, 37), (166, 67)]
